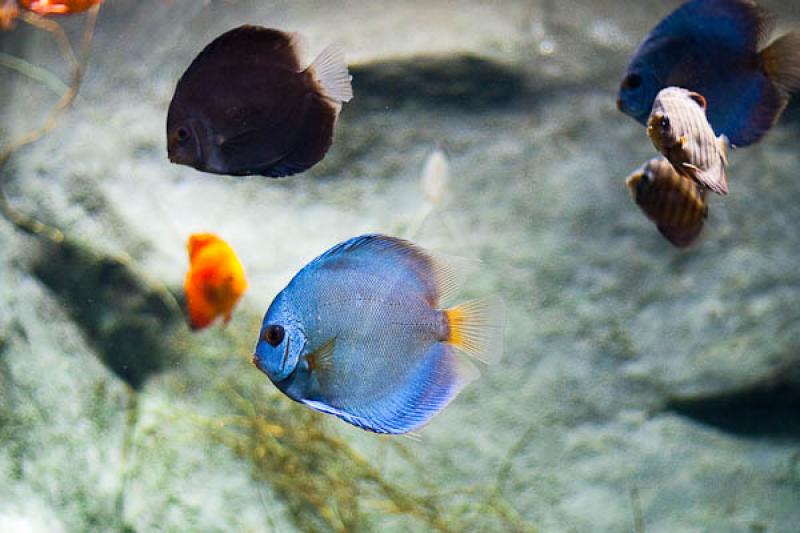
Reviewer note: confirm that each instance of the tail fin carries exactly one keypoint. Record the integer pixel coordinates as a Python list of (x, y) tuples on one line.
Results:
[(476, 328), (781, 61), (330, 71)]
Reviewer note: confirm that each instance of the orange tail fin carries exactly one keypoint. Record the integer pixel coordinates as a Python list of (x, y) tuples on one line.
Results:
[(476, 328)]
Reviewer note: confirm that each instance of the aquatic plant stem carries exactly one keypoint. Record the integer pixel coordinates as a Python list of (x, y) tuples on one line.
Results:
[(131, 419), (30, 224), (21, 220), (34, 72)]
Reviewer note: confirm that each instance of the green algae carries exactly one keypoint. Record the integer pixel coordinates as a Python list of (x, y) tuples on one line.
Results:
[(328, 485)]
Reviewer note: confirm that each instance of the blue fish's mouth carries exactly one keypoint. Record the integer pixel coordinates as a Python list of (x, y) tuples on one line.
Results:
[(275, 372), (257, 363)]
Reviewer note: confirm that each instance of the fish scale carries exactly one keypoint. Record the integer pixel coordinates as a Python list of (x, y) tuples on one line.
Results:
[(364, 337)]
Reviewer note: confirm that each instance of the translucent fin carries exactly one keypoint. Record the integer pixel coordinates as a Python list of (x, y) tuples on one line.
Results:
[(724, 147), (321, 359), (781, 62), (330, 72), (322, 407), (713, 179), (435, 178), (440, 377), (449, 274), (476, 328)]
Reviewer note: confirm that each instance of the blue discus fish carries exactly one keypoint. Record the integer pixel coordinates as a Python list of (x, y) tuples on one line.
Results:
[(359, 333), (716, 48)]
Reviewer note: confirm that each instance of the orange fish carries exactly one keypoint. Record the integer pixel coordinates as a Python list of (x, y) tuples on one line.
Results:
[(215, 280), (8, 12), (58, 7)]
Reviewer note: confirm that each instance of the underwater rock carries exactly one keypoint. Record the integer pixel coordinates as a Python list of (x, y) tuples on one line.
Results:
[(768, 408), (618, 347), (128, 320), (464, 81)]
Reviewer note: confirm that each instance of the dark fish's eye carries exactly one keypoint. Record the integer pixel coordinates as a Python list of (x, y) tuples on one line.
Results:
[(273, 335), (642, 185), (633, 81), (664, 123), (182, 134)]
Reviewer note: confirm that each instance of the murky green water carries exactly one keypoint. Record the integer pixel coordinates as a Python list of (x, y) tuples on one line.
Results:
[(640, 388)]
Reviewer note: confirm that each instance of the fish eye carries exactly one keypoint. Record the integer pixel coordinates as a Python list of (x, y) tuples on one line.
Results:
[(182, 134), (664, 123), (274, 335), (633, 81)]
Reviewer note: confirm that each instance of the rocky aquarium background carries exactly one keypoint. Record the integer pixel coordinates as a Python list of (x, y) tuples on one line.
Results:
[(641, 388)]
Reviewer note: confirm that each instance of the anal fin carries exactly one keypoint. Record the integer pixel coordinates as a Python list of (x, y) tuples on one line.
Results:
[(434, 383)]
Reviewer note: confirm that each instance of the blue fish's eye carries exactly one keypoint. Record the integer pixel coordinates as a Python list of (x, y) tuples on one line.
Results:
[(633, 81), (274, 334)]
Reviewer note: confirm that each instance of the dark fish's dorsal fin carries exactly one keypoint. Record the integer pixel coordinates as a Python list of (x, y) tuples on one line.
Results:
[(438, 278), (737, 25), (252, 42)]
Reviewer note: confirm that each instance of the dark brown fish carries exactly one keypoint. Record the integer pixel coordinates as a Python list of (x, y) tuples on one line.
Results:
[(247, 106), (674, 202), (679, 129)]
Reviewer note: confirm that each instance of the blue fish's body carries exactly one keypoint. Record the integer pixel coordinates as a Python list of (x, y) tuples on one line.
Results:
[(716, 48), (359, 333)]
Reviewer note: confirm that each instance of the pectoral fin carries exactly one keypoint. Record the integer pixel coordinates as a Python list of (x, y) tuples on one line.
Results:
[(321, 359), (715, 179)]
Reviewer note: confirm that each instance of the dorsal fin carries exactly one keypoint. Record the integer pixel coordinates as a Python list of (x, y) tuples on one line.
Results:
[(254, 42), (735, 24), (439, 278), (699, 98)]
